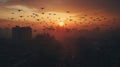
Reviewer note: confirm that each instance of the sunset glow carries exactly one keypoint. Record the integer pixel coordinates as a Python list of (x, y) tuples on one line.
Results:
[(59, 33), (61, 24)]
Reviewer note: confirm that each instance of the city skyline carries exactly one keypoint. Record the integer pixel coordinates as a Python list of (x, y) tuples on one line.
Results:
[(59, 33)]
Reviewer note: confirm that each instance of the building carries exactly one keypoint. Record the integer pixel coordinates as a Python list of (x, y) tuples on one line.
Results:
[(21, 33), (5, 33)]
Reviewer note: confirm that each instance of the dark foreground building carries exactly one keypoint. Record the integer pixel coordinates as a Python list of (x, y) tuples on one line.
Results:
[(21, 33)]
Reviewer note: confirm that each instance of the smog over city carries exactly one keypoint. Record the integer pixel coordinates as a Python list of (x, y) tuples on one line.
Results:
[(59, 33)]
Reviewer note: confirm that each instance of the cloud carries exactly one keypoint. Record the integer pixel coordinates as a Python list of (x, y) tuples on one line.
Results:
[(110, 6), (3, 1), (75, 3)]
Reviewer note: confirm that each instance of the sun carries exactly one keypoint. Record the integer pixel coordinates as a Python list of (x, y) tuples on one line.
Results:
[(61, 24)]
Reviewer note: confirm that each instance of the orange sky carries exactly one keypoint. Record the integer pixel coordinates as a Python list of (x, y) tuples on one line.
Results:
[(72, 13)]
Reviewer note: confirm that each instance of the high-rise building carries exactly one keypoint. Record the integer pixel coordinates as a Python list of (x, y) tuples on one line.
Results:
[(21, 33)]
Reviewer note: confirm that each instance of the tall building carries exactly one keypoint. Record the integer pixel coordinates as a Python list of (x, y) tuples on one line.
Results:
[(21, 33), (5, 33)]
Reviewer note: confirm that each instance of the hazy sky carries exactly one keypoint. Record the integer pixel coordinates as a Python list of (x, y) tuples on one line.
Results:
[(95, 8), (95, 11), (111, 6)]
